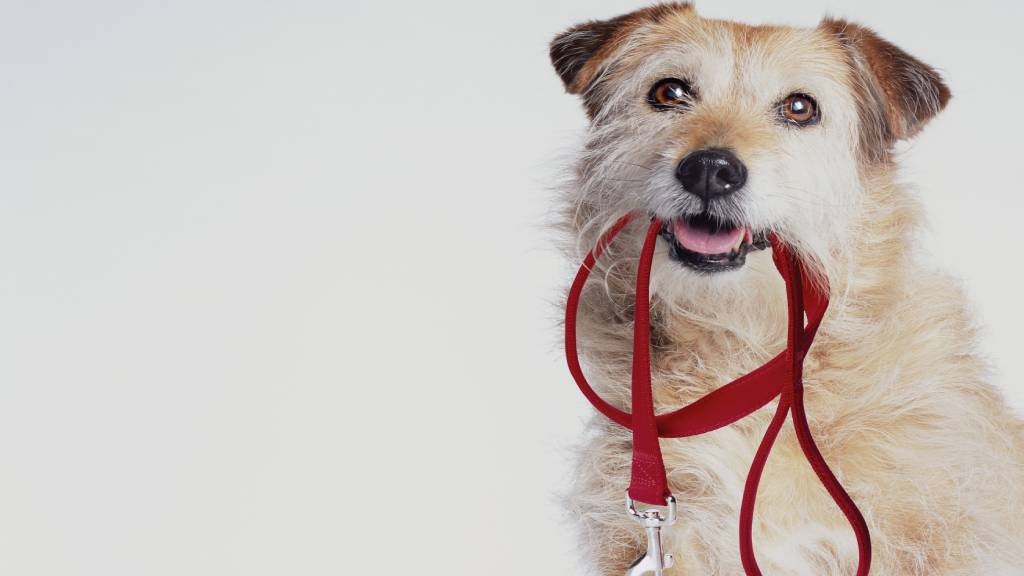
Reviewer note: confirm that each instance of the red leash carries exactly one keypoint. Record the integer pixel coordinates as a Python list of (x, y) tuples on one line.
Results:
[(781, 377)]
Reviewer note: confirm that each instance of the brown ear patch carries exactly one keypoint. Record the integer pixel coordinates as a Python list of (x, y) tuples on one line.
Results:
[(572, 49), (579, 53), (898, 92)]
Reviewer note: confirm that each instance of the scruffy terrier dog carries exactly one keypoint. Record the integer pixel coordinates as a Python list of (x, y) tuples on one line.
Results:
[(730, 132)]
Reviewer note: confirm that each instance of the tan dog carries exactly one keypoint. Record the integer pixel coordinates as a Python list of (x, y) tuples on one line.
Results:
[(731, 131)]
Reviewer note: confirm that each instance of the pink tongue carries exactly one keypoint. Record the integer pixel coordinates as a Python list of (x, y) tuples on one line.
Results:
[(703, 241)]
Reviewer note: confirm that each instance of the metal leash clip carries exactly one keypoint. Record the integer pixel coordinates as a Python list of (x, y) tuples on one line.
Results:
[(654, 561)]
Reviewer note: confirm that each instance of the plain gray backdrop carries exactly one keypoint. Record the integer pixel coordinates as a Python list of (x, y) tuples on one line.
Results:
[(275, 292)]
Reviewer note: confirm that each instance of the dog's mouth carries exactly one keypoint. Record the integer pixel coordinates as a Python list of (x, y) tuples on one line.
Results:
[(709, 244)]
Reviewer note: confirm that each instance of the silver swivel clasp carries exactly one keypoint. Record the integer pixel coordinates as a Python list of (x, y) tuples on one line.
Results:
[(654, 561)]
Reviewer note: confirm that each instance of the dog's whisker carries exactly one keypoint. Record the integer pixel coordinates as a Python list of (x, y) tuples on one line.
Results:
[(648, 168), (626, 180), (807, 199)]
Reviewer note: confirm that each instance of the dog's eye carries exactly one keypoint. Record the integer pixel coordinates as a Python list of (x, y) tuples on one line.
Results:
[(799, 109), (670, 93)]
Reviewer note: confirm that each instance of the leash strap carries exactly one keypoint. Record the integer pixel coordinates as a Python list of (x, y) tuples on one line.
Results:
[(781, 377)]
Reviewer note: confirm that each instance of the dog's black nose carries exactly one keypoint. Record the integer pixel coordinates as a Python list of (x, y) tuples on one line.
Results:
[(712, 172)]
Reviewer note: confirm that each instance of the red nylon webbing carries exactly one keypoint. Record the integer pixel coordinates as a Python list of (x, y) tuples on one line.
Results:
[(781, 377)]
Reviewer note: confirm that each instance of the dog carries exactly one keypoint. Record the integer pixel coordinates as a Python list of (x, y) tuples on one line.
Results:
[(729, 132)]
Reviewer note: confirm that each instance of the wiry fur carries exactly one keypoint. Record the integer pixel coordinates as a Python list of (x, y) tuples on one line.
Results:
[(896, 394)]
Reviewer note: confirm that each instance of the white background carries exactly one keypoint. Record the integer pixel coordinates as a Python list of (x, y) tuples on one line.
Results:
[(275, 291)]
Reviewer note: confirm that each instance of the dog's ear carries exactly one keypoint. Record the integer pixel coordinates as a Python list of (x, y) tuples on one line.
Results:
[(580, 52), (574, 53), (903, 91)]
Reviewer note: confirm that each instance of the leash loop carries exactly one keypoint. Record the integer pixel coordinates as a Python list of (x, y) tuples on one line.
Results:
[(781, 377)]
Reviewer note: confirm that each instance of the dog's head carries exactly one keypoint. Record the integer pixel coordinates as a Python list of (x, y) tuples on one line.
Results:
[(730, 132)]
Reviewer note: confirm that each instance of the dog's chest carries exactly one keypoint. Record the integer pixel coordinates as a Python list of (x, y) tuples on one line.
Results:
[(798, 529)]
